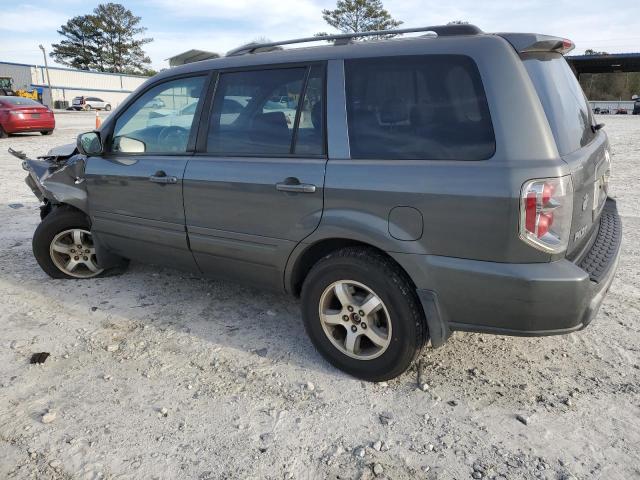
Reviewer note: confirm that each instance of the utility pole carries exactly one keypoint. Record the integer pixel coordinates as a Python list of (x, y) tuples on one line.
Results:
[(46, 67)]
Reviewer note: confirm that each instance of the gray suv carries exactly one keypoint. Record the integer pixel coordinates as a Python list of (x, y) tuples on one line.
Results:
[(404, 189)]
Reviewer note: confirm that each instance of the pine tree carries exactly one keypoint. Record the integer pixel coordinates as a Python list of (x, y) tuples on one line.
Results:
[(80, 45), (352, 16), (108, 40)]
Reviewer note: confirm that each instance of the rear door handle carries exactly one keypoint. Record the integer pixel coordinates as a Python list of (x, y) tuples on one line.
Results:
[(162, 178), (293, 185)]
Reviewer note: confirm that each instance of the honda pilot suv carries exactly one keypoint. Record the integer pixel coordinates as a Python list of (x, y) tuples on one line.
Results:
[(407, 188)]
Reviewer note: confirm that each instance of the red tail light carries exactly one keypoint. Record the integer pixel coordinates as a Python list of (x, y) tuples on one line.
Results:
[(546, 210), (567, 46)]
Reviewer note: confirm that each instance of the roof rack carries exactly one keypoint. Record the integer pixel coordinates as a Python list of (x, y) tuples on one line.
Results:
[(343, 38)]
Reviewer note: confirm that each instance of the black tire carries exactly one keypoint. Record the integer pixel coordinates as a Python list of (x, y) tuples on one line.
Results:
[(3, 134), (87, 107), (107, 108), (58, 220), (392, 285), (46, 132)]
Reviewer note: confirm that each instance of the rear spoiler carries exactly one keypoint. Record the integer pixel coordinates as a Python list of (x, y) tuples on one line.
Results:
[(533, 42)]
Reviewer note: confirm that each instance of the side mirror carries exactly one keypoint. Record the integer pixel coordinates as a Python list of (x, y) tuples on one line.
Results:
[(89, 144)]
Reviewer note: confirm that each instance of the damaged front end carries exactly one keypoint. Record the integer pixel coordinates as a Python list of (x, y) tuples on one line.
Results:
[(56, 178)]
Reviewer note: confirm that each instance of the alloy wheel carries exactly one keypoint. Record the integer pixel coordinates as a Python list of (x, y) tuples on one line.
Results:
[(72, 251), (355, 320)]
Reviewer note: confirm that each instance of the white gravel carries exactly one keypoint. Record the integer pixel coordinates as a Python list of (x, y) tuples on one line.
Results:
[(251, 411)]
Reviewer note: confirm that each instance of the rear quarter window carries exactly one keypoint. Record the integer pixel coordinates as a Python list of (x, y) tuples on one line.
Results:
[(563, 100), (430, 107)]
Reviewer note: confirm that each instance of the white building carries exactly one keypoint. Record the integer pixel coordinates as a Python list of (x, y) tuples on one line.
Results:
[(67, 83)]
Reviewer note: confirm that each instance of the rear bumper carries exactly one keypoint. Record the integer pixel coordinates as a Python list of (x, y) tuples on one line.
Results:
[(532, 299), (29, 125)]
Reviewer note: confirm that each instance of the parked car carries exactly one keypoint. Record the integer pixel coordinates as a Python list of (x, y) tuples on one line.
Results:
[(156, 103), (636, 106), (424, 187), (621, 111), (18, 114), (90, 103), (604, 111)]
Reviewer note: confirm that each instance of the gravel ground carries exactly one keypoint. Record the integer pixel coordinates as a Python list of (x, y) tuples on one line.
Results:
[(158, 374)]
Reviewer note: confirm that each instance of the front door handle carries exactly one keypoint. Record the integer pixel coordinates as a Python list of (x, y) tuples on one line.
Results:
[(293, 185), (162, 178)]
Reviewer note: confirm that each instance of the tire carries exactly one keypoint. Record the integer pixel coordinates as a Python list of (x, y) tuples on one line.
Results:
[(87, 107), (366, 272), (52, 230), (107, 108), (46, 132), (3, 134)]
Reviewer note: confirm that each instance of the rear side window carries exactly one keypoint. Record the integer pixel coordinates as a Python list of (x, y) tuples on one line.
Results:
[(267, 112), (430, 107), (563, 100)]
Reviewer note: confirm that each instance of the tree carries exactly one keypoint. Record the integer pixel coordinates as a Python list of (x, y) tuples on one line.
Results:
[(120, 29), (352, 16), (590, 51), (108, 40), (80, 45)]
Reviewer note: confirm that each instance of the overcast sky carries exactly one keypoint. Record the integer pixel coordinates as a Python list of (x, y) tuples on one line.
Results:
[(219, 25)]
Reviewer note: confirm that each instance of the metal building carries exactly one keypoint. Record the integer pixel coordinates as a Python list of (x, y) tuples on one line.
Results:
[(67, 83)]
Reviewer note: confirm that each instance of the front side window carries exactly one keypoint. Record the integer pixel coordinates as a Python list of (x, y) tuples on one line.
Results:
[(160, 121), (430, 107), (256, 113)]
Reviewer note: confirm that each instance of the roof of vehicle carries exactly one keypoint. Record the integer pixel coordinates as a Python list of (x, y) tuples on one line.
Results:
[(385, 47), (448, 39)]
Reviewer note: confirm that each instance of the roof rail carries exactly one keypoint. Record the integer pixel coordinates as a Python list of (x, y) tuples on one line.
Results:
[(342, 38)]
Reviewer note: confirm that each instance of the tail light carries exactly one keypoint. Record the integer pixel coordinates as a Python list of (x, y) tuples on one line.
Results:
[(565, 46), (545, 213)]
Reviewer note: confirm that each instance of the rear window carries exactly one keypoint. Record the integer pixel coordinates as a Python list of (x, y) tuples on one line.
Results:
[(563, 100), (20, 101), (418, 107)]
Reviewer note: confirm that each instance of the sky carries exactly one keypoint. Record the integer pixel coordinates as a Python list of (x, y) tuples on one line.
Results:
[(220, 25)]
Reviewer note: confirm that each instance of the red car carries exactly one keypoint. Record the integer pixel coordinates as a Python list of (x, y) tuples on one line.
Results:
[(18, 114)]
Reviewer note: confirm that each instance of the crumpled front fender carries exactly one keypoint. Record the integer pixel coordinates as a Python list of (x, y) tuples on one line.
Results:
[(58, 183)]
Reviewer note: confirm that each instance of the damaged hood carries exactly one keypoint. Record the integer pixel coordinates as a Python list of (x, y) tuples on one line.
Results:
[(62, 151)]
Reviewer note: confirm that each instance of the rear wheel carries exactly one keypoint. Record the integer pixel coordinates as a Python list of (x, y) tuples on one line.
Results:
[(108, 108), (63, 245), (46, 132), (362, 314), (87, 107)]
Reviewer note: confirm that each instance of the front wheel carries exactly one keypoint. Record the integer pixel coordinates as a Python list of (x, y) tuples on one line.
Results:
[(108, 108), (46, 132), (63, 246), (362, 314), (3, 133)]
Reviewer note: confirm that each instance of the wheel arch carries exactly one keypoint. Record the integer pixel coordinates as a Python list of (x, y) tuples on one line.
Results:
[(305, 256), (48, 207)]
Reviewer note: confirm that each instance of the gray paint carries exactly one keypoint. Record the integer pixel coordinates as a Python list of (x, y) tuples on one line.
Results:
[(239, 225), (405, 223), (62, 185), (135, 217), (452, 225)]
